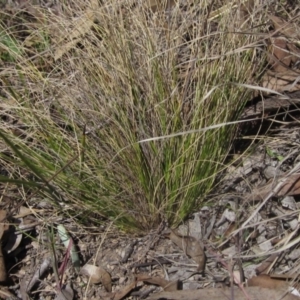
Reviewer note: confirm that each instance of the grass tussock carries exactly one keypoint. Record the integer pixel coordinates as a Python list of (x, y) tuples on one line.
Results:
[(136, 73)]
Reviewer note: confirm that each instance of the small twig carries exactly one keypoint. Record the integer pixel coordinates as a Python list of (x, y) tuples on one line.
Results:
[(271, 194), (221, 261)]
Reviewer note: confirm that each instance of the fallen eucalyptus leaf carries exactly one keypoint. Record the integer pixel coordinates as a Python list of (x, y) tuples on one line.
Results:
[(24, 211), (226, 293), (279, 56), (290, 187), (79, 27), (168, 286), (121, 294), (287, 28), (264, 266), (280, 82), (97, 275), (191, 247), (295, 51), (265, 281)]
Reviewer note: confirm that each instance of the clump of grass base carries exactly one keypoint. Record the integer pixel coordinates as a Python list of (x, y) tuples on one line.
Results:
[(135, 75)]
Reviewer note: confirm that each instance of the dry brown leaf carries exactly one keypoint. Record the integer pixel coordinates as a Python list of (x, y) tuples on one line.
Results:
[(191, 247), (279, 57), (25, 211), (171, 286), (165, 284), (283, 276), (121, 294), (290, 187), (287, 28), (217, 294), (264, 266), (295, 51), (80, 27), (280, 82), (265, 281), (232, 227), (97, 275)]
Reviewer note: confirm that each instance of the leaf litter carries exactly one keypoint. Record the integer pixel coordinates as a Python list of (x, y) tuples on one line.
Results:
[(163, 266)]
